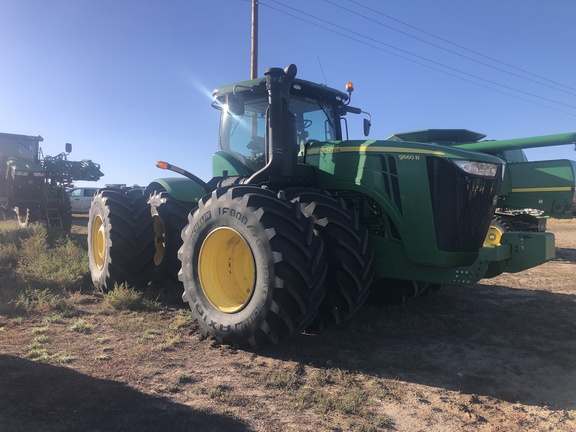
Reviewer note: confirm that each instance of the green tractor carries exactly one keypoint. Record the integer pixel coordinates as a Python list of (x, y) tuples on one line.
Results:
[(35, 187), (299, 224), (532, 191)]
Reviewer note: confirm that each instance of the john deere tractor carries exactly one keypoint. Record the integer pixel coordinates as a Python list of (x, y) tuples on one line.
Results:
[(532, 191), (34, 187), (299, 223)]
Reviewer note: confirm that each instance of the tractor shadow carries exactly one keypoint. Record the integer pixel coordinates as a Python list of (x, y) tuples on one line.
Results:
[(566, 255), (37, 396), (512, 344)]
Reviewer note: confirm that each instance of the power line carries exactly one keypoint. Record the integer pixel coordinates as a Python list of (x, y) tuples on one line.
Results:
[(458, 46), (347, 35)]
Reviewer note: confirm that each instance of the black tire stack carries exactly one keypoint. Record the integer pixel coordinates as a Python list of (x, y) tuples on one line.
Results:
[(348, 253), (120, 239)]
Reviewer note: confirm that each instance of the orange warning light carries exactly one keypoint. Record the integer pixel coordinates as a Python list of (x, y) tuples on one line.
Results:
[(162, 165)]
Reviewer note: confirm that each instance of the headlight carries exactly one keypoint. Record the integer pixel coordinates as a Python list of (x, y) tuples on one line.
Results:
[(481, 169), (38, 174), (20, 173)]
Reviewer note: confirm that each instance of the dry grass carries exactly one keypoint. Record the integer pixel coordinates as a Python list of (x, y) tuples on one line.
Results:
[(487, 358)]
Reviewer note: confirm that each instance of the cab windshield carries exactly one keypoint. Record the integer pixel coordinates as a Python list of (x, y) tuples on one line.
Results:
[(244, 136), (24, 149)]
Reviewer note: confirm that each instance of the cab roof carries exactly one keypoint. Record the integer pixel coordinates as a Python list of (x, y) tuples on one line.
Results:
[(299, 86)]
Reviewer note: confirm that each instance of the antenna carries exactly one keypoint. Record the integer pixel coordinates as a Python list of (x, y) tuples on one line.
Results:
[(322, 69)]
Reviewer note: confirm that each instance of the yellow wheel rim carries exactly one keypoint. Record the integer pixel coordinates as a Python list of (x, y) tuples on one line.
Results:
[(159, 240), (98, 245), (226, 270), (493, 237)]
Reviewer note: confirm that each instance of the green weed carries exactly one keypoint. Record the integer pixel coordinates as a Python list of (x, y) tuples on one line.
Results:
[(80, 326), (171, 338), (149, 334), (43, 301), (219, 392), (41, 339), (284, 378), (41, 354), (35, 265), (63, 357), (64, 266), (125, 298), (54, 319), (44, 355)]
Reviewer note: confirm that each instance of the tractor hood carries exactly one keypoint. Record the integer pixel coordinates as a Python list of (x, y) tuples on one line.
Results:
[(407, 150), (469, 140)]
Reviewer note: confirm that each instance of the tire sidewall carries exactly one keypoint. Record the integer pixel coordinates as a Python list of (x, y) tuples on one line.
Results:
[(234, 215), (98, 208)]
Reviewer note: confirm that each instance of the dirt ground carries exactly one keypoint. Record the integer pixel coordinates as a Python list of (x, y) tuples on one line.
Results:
[(497, 356)]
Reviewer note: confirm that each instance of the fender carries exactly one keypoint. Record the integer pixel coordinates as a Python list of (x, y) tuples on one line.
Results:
[(181, 188)]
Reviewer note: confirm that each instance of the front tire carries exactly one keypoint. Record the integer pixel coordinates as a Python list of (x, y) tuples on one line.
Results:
[(498, 226), (120, 240), (252, 266)]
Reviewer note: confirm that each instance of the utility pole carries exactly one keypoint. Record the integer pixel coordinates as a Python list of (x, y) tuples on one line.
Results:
[(254, 44)]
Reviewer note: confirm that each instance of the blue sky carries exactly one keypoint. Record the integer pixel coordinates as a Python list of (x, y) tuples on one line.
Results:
[(127, 82)]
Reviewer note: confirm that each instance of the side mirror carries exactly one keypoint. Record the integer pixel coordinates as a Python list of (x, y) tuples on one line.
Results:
[(235, 103), (367, 125), (68, 148)]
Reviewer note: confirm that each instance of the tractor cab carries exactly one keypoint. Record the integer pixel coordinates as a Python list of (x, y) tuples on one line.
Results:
[(318, 114)]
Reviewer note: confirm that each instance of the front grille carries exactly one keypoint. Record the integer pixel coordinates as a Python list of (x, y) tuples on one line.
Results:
[(462, 204)]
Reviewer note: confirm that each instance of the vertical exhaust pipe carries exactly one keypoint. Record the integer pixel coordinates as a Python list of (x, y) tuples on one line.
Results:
[(282, 151)]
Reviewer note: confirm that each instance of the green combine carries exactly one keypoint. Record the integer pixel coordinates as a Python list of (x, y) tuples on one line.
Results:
[(299, 224)]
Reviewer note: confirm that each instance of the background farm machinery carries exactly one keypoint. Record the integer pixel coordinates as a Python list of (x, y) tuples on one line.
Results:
[(34, 187)]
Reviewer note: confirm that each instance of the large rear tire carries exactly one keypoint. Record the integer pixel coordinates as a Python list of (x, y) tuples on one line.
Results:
[(348, 253), (120, 239), (253, 267), (169, 217)]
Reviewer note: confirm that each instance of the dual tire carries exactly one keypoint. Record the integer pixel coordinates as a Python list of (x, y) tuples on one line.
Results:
[(169, 217), (257, 266), (348, 253), (120, 239)]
